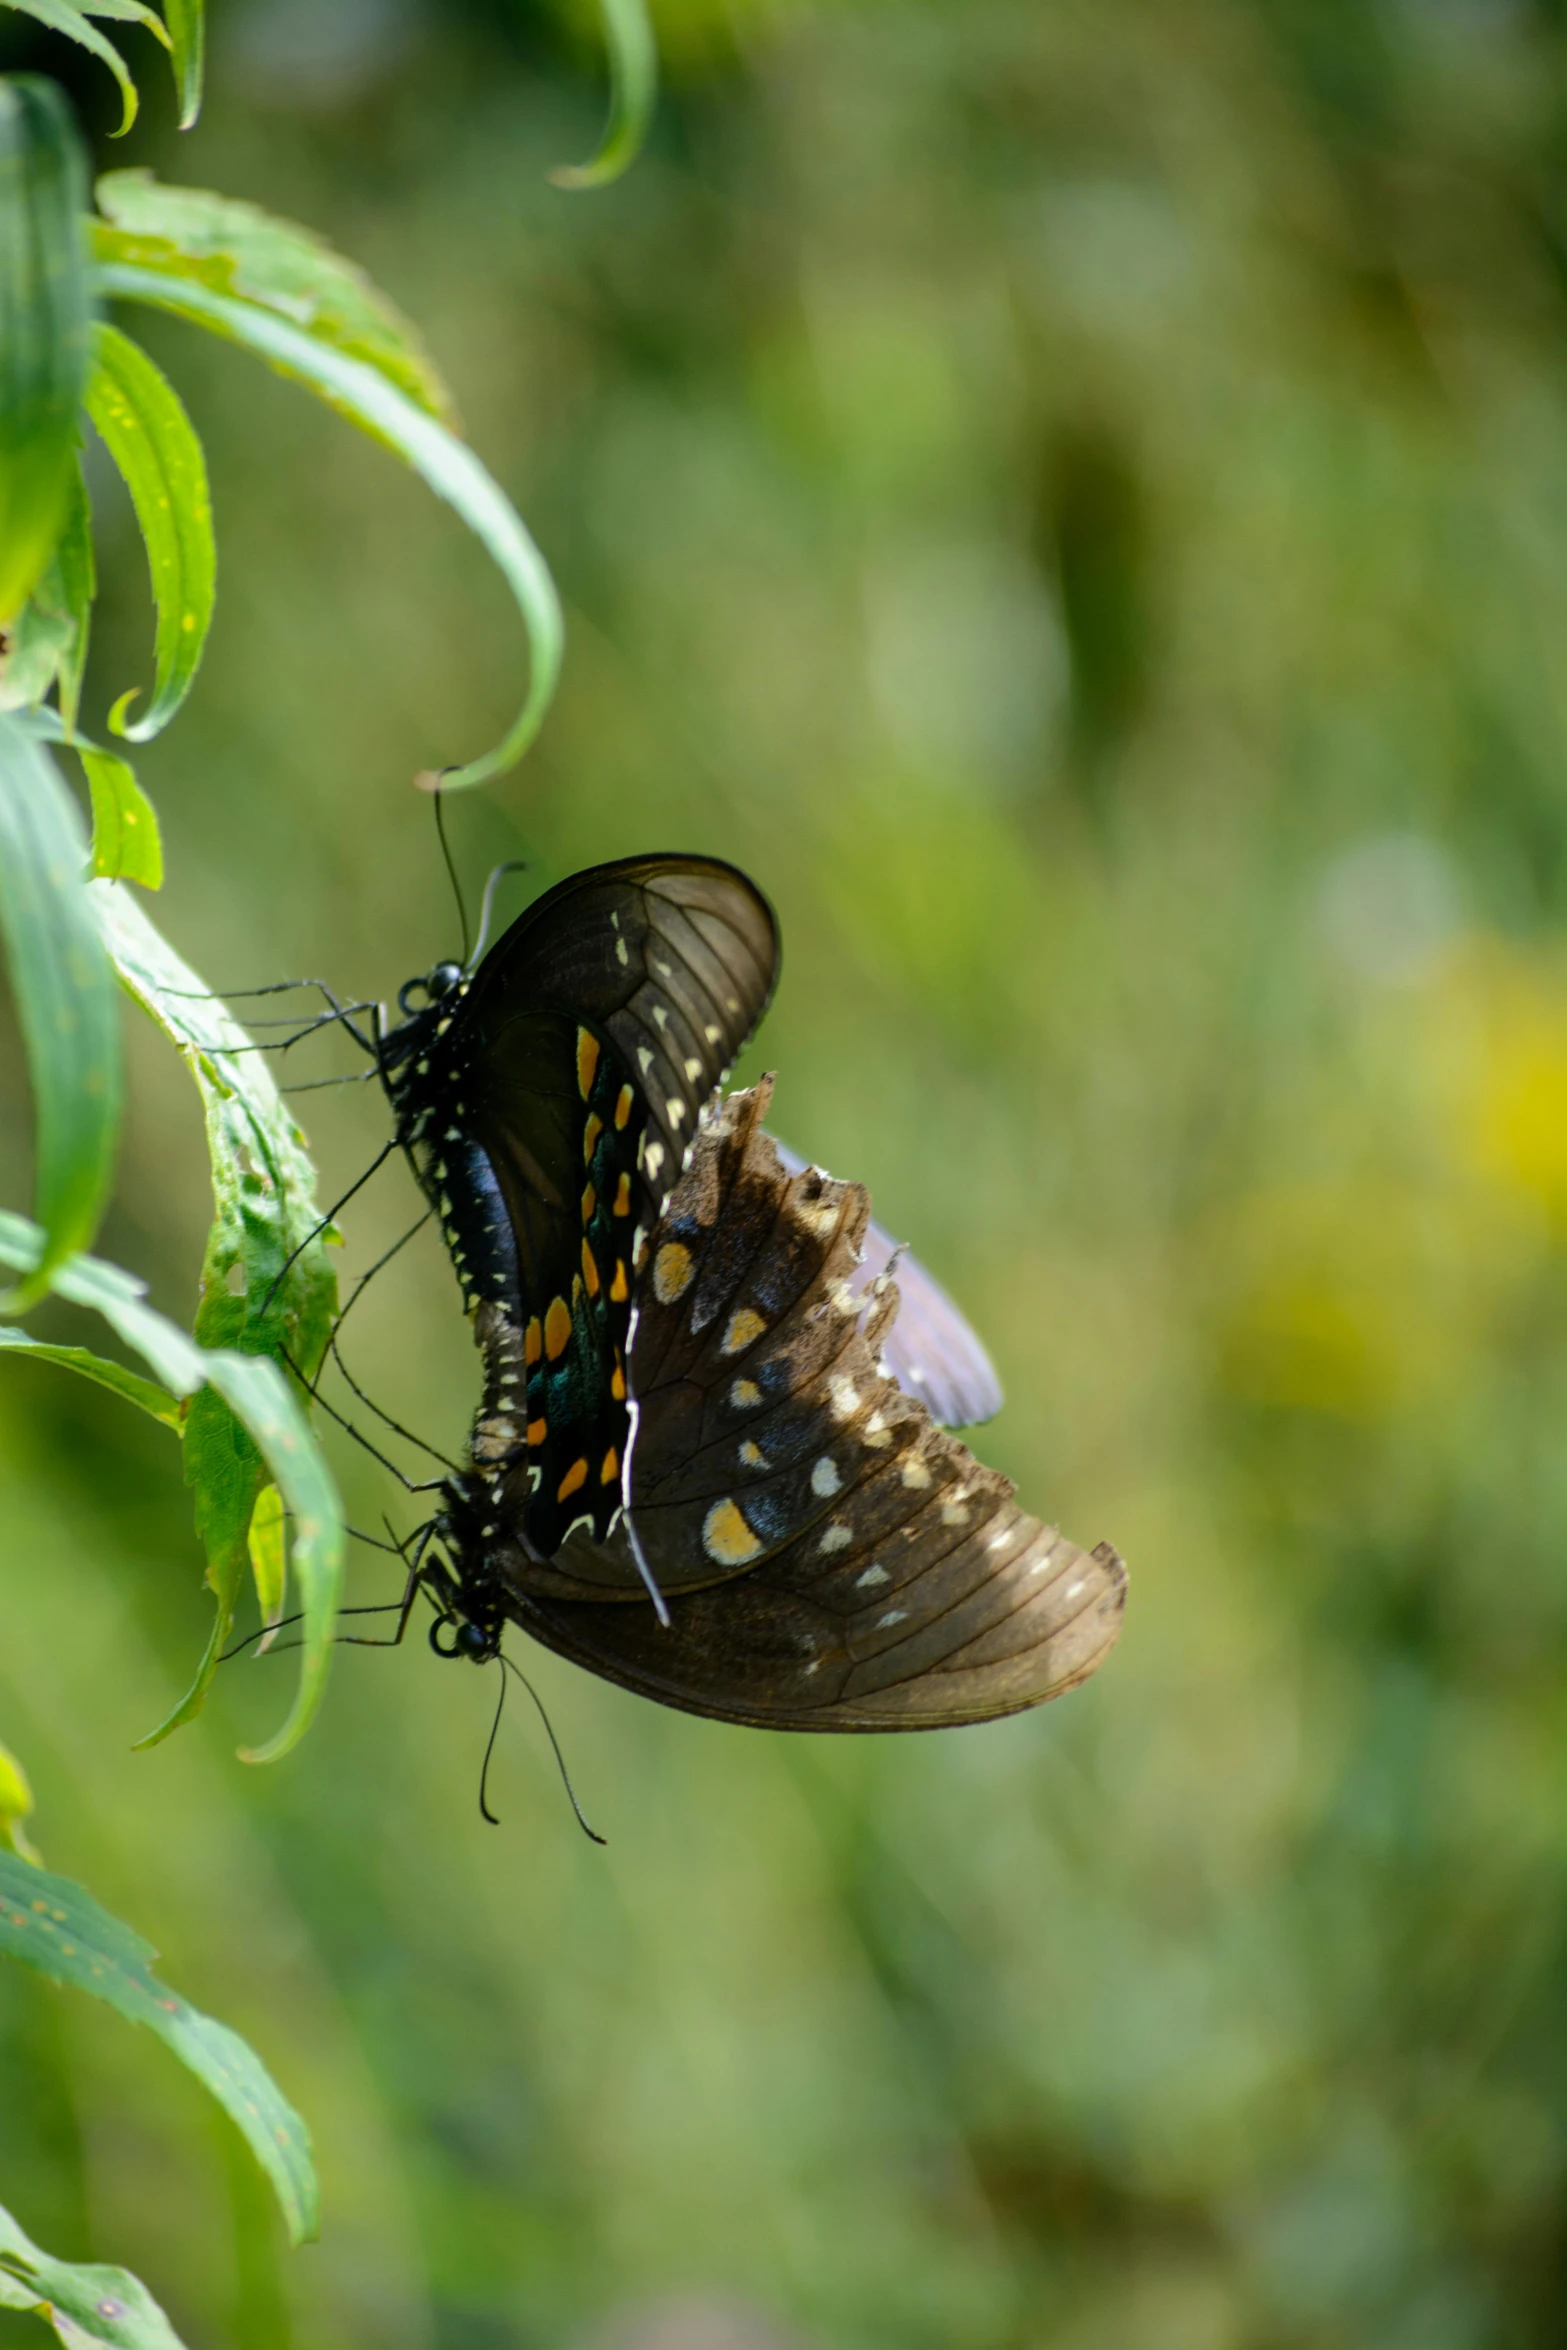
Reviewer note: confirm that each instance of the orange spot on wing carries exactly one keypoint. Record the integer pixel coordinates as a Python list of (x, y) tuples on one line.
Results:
[(617, 1288), (590, 1270), (537, 1431), (623, 1196), (617, 1385), (611, 1468), (590, 1134), (623, 1105), (587, 1060), (576, 1476), (590, 1200), (533, 1344), (557, 1328)]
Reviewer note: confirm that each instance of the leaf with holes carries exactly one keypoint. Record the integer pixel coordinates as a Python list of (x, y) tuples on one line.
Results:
[(65, 1000), (264, 1211), (57, 1927), (90, 2306), (267, 1435), (148, 434), (633, 93), (236, 248), (370, 399), (46, 315)]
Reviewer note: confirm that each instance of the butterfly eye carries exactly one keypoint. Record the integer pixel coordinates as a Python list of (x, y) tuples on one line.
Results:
[(442, 980)]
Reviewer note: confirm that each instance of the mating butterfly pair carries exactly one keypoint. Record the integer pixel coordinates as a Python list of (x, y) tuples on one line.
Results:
[(702, 1467)]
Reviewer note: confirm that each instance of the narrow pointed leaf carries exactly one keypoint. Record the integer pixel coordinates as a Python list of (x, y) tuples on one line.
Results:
[(61, 17), (366, 397), (128, 1384), (236, 248), (46, 311), (48, 638), (633, 93), (126, 843), (65, 999), (57, 1927), (148, 434), (89, 2305), (188, 40), (264, 1209)]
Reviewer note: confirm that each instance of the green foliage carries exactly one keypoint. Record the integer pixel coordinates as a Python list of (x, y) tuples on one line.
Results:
[(126, 842), (267, 1543), (16, 1804), (56, 1927), (148, 434), (46, 314), (633, 71), (65, 998), (91, 2307), (373, 401), (129, 1385)]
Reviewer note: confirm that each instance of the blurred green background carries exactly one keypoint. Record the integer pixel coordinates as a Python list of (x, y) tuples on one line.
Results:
[(1074, 498)]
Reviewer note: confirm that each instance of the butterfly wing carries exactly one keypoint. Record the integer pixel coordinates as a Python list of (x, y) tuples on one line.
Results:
[(582, 1059), (833, 1560), (931, 1350)]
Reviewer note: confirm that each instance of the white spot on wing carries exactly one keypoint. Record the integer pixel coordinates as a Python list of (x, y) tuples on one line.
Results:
[(825, 1480)]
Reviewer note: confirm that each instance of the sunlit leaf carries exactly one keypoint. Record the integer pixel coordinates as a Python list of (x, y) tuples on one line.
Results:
[(46, 312), (148, 434), (127, 1384), (56, 1926), (126, 843), (236, 248), (269, 1558), (62, 16), (48, 637), (16, 1805), (65, 999), (90, 2307), (364, 395), (265, 1427), (264, 1210), (633, 93)]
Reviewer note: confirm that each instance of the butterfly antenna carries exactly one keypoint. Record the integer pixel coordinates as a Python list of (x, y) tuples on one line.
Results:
[(512, 865), (485, 1812), (462, 911), (583, 1822)]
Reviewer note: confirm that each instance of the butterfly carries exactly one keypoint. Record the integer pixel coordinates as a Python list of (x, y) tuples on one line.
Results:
[(831, 1558)]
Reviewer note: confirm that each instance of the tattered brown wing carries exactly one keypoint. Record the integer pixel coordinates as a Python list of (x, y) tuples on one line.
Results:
[(833, 1560)]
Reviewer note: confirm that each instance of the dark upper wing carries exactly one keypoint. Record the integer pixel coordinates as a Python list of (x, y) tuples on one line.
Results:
[(589, 1045), (931, 1350), (832, 1559)]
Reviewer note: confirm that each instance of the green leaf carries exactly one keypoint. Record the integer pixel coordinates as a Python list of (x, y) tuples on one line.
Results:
[(16, 1805), (188, 40), (236, 248), (269, 1559), (364, 395), (65, 1000), (264, 1210), (149, 436), (263, 1418), (56, 1926), (48, 639), (90, 2307), (61, 16), (46, 313), (128, 1384), (126, 843), (633, 92)]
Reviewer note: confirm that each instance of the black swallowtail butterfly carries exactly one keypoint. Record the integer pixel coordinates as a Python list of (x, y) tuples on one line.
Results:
[(676, 1323)]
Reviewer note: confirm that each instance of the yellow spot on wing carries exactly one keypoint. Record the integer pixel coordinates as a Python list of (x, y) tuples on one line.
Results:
[(557, 1328), (617, 1288), (727, 1538), (590, 1200), (617, 1384), (611, 1469), (587, 1060), (745, 1395), (533, 1344), (623, 1105), (590, 1134), (590, 1270), (672, 1271), (623, 1197), (745, 1327), (576, 1475)]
